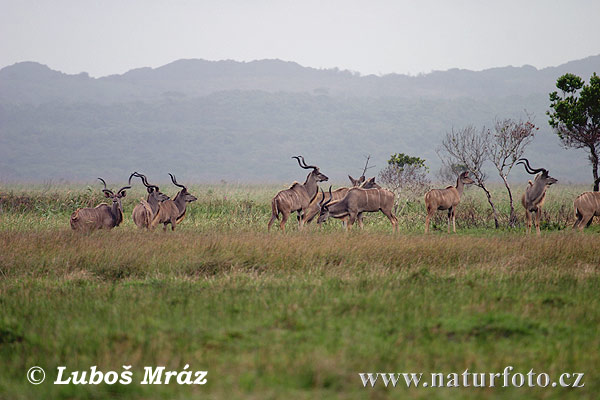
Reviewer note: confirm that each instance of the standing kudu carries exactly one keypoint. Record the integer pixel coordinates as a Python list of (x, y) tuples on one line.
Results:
[(297, 197), (144, 212), (102, 216), (587, 205), (535, 194), (446, 199), (173, 211), (338, 194), (357, 201)]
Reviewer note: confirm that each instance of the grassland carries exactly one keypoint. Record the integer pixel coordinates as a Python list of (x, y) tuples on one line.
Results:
[(293, 315)]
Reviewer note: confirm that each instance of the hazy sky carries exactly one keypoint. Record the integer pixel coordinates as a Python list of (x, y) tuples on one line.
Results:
[(371, 37)]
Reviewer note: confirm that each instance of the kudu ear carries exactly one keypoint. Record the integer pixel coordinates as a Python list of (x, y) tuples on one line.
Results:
[(107, 195)]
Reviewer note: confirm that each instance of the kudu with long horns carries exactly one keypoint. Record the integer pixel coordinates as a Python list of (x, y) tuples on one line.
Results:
[(144, 212), (446, 199), (297, 197), (102, 216), (587, 205), (356, 202), (535, 194), (173, 211)]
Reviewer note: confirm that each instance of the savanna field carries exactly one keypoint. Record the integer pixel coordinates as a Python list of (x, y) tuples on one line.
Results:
[(296, 314)]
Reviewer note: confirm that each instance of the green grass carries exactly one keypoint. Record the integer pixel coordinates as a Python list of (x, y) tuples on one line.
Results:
[(293, 315)]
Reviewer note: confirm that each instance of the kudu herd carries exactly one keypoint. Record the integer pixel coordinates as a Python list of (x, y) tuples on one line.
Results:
[(346, 203), (156, 208)]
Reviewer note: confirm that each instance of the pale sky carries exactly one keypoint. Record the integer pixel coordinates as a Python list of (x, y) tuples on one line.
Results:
[(371, 37)]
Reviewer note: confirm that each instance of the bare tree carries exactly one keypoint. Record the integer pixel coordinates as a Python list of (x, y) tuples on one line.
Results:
[(469, 148), (406, 177), (505, 145)]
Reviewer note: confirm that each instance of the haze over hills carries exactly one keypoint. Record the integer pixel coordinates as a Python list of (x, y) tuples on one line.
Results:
[(207, 120)]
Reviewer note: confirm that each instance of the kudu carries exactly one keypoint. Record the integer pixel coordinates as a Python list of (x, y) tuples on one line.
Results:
[(102, 216), (338, 194), (535, 194), (357, 201), (297, 198), (587, 205), (446, 199), (173, 211), (144, 212)]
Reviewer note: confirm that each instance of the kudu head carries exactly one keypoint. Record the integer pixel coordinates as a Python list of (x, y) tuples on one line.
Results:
[(183, 193), (316, 174), (116, 198), (153, 190), (465, 179), (370, 184), (324, 207), (542, 180), (357, 182)]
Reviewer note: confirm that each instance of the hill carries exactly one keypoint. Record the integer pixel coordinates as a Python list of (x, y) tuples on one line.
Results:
[(206, 120)]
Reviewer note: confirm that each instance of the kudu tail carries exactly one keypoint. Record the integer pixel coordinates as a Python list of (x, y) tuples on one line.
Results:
[(274, 209), (74, 219)]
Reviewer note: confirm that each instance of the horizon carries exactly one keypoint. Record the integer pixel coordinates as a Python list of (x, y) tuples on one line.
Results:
[(299, 64), (375, 38)]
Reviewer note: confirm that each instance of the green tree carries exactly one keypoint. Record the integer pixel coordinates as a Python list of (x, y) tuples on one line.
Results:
[(575, 116)]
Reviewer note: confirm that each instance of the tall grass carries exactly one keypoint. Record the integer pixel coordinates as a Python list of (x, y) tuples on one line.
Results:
[(294, 315)]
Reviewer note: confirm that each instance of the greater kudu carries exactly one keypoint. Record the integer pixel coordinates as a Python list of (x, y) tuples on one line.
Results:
[(446, 199), (587, 205), (357, 201), (102, 216), (535, 194), (297, 197), (173, 211), (338, 194), (144, 212)]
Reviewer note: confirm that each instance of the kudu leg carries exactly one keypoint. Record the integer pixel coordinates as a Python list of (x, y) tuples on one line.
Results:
[(586, 221), (528, 218), (538, 217), (393, 220), (284, 218), (359, 217), (273, 218), (449, 217), (427, 222), (453, 220)]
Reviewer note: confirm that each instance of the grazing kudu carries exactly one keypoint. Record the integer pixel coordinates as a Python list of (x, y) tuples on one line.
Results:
[(535, 194), (587, 205), (357, 201), (338, 194), (102, 216), (173, 211), (446, 199), (144, 212), (297, 197)]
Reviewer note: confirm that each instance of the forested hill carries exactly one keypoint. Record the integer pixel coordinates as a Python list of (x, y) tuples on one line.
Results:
[(229, 120)]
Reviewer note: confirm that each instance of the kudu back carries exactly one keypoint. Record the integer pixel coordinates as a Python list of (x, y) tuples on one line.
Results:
[(102, 216)]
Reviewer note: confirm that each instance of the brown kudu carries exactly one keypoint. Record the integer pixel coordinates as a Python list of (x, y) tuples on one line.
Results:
[(173, 211), (144, 212), (446, 199), (297, 198), (535, 194), (102, 216)]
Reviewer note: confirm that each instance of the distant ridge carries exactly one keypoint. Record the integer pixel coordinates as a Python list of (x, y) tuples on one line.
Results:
[(30, 82)]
